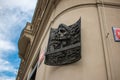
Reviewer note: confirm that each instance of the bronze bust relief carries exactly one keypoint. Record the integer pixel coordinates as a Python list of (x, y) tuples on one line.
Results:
[(64, 45)]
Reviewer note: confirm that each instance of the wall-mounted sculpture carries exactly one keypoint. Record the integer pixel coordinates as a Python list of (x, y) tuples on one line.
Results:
[(64, 45)]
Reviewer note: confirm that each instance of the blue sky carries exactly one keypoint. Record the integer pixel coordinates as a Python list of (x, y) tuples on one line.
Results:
[(13, 17)]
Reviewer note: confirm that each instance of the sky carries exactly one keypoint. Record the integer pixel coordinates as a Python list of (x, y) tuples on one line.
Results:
[(14, 14)]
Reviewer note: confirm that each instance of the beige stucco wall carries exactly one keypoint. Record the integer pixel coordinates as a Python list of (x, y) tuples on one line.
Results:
[(111, 1), (112, 18), (100, 54)]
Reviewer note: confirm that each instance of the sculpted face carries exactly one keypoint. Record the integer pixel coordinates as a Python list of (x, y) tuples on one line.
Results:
[(64, 45)]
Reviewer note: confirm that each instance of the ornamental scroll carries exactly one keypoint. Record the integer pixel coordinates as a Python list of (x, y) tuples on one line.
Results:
[(64, 45)]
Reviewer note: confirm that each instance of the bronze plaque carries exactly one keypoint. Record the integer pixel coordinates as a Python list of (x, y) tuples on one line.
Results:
[(64, 45)]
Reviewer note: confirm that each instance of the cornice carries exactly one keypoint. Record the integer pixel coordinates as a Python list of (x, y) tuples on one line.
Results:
[(45, 14), (25, 40)]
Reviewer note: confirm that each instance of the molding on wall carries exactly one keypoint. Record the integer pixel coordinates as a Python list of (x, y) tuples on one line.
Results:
[(22, 74)]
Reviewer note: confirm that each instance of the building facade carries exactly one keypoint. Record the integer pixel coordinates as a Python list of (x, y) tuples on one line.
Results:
[(100, 52)]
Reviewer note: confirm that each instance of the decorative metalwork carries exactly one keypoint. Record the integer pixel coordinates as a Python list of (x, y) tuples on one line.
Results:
[(64, 45)]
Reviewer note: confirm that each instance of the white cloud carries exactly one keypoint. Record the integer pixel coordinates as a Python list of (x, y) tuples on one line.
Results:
[(6, 78), (6, 66), (14, 12), (7, 46), (11, 20), (13, 17), (24, 5)]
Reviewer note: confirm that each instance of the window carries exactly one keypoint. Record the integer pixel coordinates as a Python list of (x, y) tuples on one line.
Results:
[(33, 73), (34, 68)]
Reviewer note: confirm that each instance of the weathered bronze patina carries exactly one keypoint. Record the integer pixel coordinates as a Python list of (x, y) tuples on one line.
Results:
[(64, 45)]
